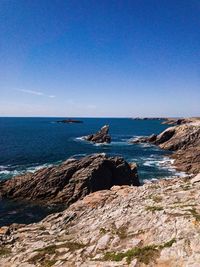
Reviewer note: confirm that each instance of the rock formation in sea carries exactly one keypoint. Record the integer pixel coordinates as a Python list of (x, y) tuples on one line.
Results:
[(154, 225), (70, 181), (102, 136), (184, 140)]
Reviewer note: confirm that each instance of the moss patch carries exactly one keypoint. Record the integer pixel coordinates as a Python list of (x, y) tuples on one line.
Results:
[(43, 253), (156, 198), (168, 244), (4, 252), (103, 231), (195, 214), (144, 255), (121, 232), (154, 208)]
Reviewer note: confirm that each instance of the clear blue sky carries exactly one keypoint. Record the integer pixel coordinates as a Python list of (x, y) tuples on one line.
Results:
[(99, 58)]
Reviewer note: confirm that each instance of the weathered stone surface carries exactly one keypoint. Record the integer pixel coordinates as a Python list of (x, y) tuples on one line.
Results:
[(153, 225), (71, 180), (101, 136), (196, 179)]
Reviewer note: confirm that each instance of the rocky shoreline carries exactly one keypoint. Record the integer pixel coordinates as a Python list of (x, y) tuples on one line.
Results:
[(156, 224), (183, 140), (109, 219)]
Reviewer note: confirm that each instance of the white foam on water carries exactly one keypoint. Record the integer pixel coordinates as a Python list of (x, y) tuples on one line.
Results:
[(36, 168), (10, 172), (78, 155), (100, 144), (6, 172), (146, 145), (82, 138)]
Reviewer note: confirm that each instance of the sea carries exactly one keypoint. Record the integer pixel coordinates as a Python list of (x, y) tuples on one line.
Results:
[(29, 144)]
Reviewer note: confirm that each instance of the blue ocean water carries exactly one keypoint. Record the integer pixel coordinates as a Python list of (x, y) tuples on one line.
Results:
[(27, 144)]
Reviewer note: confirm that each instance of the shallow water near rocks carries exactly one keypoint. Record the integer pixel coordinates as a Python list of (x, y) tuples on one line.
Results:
[(28, 144)]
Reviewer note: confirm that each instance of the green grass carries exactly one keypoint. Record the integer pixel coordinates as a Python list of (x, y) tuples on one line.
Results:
[(144, 254), (154, 208), (195, 214), (50, 250), (168, 244)]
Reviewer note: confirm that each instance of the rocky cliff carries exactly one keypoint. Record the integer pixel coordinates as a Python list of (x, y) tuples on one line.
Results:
[(70, 181), (155, 225), (184, 140)]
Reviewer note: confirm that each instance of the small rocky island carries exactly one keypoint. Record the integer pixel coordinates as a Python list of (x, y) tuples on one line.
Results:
[(102, 136), (69, 121)]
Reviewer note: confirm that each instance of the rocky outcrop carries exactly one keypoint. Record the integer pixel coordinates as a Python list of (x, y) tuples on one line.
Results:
[(179, 121), (184, 140), (144, 139), (70, 181), (155, 225), (101, 136)]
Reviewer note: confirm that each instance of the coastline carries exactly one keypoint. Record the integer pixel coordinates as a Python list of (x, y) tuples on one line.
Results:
[(92, 232)]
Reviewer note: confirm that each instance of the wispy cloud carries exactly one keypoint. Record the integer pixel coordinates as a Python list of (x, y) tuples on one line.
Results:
[(51, 96), (37, 93)]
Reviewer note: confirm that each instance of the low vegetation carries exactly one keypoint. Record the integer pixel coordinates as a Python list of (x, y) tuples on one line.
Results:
[(154, 208), (144, 254), (50, 250), (4, 251)]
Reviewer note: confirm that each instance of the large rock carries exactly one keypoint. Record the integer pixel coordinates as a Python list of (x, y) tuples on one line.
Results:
[(144, 139), (102, 136), (184, 140), (71, 180), (154, 225)]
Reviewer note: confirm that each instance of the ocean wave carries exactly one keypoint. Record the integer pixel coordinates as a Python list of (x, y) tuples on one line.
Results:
[(11, 171), (78, 155), (36, 168), (164, 162), (80, 138)]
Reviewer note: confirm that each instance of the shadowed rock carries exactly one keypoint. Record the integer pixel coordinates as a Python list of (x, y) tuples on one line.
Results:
[(101, 136), (70, 181)]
